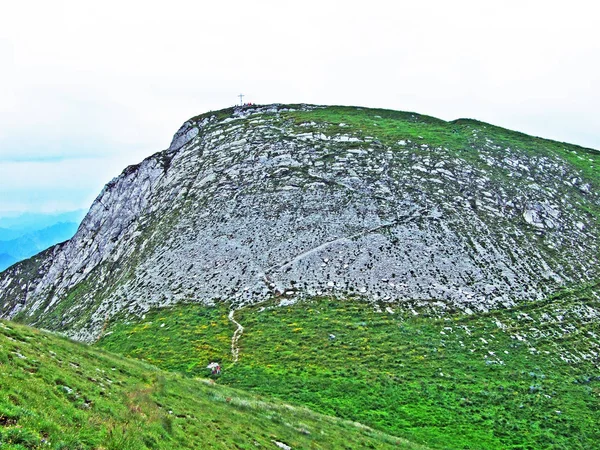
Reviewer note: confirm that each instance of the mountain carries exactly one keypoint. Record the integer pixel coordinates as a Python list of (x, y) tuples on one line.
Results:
[(254, 203), (31, 243), (13, 225), (436, 281), (57, 394), (7, 234), (24, 235)]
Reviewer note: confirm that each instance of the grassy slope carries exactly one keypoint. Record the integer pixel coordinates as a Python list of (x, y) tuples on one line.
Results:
[(57, 394), (389, 126), (497, 380)]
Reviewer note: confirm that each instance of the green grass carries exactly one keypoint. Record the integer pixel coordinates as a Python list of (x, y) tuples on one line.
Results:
[(493, 380), (57, 394), (185, 338), (387, 126)]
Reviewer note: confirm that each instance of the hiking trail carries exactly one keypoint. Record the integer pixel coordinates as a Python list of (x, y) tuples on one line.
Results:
[(235, 350)]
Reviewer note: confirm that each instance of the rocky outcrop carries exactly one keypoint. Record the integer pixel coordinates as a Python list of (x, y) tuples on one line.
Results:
[(270, 201)]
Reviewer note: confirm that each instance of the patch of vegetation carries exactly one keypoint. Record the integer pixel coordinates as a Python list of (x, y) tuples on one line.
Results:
[(220, 114), (522, 378), (58, 394), (185, 338), (386, 126)]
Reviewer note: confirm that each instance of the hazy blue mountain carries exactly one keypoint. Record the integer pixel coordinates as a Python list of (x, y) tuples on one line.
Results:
[(6, 261), (33, 242), (24, 235), (7, 234), (12, 226)]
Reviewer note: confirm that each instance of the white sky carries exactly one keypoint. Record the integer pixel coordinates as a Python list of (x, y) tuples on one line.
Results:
[(87, 88)]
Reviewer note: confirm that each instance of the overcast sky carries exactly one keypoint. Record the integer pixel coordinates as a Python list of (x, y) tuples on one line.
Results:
[(87, 88)]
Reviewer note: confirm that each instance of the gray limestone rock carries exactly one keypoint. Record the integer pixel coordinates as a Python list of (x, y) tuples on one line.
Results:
[(253, 206)]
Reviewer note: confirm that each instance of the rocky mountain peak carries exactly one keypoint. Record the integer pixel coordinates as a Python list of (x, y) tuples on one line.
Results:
[(251, 203)]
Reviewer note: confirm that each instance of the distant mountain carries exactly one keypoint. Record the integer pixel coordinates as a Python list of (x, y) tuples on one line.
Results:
[(24, 235), (15, 225), (34, 242), (6, 261), (6, 234)]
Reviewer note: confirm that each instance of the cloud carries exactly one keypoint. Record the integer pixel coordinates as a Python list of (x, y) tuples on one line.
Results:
[(106, 79), (49, 186)]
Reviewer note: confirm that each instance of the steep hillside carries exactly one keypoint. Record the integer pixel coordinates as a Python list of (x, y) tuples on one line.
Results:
[(522, 378), (251, 203), (57, 394)]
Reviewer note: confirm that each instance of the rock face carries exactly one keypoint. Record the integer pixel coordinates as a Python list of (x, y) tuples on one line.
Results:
[(256, 202)]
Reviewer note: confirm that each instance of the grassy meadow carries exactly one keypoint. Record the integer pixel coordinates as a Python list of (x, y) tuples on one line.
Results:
[(58, 394), (525, 378)]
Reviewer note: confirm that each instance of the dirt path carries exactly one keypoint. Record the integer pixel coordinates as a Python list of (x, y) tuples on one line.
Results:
[(235, 350)]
